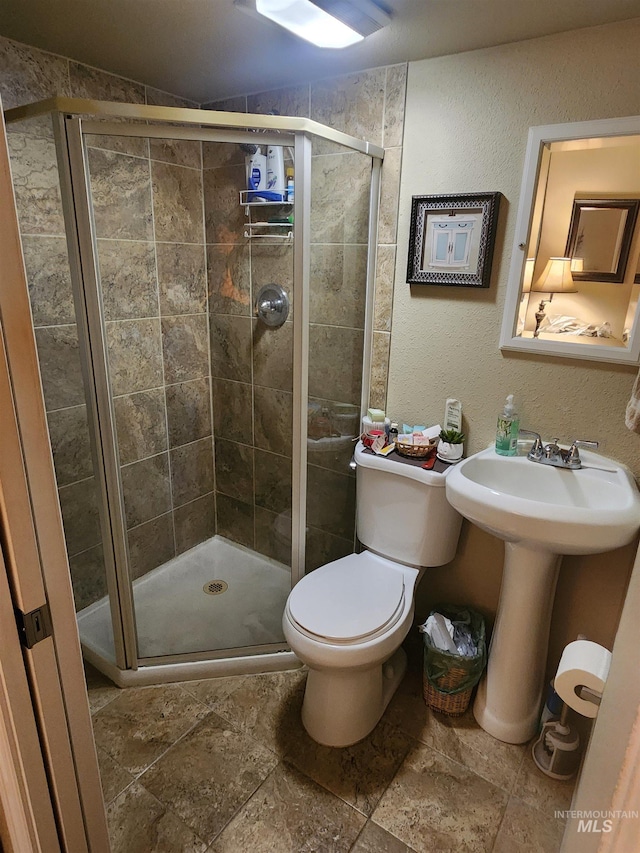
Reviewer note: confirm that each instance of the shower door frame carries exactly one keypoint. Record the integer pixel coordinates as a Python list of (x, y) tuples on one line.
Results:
[(70, 126)]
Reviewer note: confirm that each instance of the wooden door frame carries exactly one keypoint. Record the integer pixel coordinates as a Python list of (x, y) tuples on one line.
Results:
[(36, 559), (27, 818)]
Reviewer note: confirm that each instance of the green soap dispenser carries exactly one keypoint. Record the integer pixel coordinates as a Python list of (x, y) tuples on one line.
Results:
[(508, 429)]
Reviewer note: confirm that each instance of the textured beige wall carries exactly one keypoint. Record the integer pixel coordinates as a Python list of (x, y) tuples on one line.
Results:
[(466, 126)]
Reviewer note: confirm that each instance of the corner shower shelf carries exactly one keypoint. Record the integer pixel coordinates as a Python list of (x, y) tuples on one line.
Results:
[(272, 230), (264, 229), (247, 202)]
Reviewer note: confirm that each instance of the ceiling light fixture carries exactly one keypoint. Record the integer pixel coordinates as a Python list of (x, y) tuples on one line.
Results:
[(326, 23)]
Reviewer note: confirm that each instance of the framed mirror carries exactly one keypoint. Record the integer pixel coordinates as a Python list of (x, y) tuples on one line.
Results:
[(600, 236), (574, 281)]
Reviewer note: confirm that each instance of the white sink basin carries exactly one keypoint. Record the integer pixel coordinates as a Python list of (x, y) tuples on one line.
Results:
[(541, 513), (582, 511)]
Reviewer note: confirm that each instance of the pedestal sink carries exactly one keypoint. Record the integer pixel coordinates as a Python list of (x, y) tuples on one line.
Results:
[(541, 513)]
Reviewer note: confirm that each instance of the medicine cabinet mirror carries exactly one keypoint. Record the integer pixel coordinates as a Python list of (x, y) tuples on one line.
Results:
[(574, 281)]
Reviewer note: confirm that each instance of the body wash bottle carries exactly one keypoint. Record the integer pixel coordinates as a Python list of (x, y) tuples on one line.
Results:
[(508, 429)]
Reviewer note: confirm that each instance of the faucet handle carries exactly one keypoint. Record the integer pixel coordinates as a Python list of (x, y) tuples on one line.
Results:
[(536, 448), (573, 455), (579, 442)]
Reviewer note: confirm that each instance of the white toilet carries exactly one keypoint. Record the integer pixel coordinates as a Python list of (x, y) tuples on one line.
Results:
[(347, 619)]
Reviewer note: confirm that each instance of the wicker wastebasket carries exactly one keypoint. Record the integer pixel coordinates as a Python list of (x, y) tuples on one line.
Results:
[(449, 679)]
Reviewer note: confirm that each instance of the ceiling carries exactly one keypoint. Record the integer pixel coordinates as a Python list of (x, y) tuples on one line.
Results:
[(209, 49)]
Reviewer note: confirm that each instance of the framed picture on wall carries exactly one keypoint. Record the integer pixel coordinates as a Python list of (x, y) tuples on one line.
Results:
[(600, 237), (451, 239)]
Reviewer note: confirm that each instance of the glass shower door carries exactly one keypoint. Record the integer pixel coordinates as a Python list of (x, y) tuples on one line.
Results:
[(198, 395), (67, 397), (341, 182)]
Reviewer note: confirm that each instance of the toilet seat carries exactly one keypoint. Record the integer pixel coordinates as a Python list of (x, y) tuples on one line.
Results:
[(350, 600)]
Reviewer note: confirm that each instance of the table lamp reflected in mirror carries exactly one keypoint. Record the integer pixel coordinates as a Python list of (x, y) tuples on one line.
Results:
[(527, 278), (556, 278)]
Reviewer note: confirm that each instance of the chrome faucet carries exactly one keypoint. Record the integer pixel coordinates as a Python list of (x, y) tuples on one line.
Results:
[(553, 454), (537, 450)]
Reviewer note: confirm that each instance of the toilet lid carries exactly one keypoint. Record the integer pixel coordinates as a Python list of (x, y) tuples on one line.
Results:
[(348, 599)]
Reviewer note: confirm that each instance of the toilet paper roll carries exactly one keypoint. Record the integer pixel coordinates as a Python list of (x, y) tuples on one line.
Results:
[(583, 664)]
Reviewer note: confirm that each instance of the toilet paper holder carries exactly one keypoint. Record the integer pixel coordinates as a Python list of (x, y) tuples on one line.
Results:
[(556, 752), (589, 695), (581, 676)]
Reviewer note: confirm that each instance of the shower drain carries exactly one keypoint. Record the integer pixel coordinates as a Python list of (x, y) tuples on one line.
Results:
[(215, 587)]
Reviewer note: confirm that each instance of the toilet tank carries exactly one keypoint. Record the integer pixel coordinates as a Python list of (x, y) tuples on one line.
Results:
[(402, 511)]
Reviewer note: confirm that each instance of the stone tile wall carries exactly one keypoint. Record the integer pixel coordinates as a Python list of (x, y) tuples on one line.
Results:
[(367, 105), (148, 208), (252, 365), (148, 211)]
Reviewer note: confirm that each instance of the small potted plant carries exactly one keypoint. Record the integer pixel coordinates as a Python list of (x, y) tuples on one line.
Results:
[(450, 446)]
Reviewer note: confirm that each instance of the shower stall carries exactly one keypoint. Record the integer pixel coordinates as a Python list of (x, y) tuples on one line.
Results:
[(201, 423)]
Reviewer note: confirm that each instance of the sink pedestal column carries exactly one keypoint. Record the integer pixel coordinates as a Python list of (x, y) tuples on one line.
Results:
[(509, 697)]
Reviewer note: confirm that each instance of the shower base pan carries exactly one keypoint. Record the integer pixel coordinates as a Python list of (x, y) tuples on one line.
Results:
[(216, 599)]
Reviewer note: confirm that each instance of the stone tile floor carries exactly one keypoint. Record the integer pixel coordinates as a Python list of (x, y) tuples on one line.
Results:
[(224, 765)]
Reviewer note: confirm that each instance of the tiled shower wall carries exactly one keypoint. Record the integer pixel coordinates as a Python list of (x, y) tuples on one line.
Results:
[(154, 293), (148, 211), (252, 365), (368, 105), (253, 487)]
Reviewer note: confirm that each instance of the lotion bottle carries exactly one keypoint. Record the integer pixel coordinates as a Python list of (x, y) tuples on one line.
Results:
[(453, 414), (508, 429)]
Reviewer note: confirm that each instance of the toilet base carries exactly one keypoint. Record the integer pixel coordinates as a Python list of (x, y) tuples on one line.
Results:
[(341, 707)]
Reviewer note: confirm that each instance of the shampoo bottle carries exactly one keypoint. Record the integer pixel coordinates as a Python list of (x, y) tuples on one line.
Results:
[(275, 173), (256, 174), (508, 429)]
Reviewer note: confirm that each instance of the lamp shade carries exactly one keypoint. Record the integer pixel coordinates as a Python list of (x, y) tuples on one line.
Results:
[(556, 277), (527, 278)]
